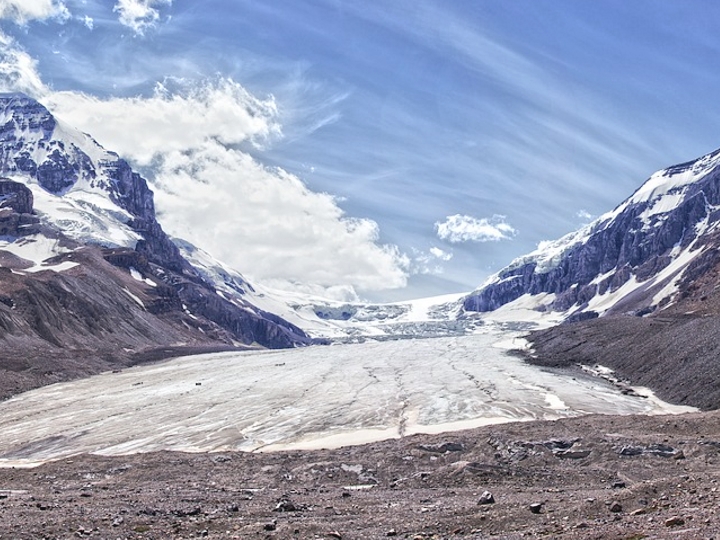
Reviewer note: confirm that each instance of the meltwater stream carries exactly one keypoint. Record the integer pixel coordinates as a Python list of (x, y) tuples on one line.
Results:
[(302, 398)]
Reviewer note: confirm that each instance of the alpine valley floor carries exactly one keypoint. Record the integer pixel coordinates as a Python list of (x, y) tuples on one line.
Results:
[(316, 397), (617, 477)]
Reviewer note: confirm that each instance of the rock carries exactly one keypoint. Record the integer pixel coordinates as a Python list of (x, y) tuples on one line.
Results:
[(615, 507), (391, 532), (558, 444), (285, 505), (674, 521), (335, 534), (270, 526), (572, 454), (618, 484), (486, 498), (660, 450), (536, 508), (630, 451), (16, 196), (443, 448), (639, 512)]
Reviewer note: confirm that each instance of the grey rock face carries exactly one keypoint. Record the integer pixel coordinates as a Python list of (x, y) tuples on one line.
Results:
[(15, 196), (632, 243), (16, 207)]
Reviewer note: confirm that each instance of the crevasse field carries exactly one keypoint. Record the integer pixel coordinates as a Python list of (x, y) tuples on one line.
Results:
[(303, 398)]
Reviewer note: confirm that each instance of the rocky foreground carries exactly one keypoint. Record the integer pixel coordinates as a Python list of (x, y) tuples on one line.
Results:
[(591, 477)]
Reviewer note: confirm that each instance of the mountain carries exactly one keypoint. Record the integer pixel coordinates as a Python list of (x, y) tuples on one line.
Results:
[(641, 257), (640, 287), (87, 273)]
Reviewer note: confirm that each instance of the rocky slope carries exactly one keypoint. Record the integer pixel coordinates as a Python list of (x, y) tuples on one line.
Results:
[(587, 478), (636, 258), (88, 277)]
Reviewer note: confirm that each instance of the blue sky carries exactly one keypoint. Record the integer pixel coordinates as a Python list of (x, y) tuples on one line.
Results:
[(389, 149)]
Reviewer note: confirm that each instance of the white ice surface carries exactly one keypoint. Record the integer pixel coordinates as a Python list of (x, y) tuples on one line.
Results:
[(300, 398)]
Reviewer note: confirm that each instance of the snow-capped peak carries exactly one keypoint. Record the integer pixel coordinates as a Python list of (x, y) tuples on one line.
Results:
[(80, 188), (634, 257)]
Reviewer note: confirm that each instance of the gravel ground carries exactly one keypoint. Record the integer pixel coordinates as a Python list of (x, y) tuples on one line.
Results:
[(591, 477)]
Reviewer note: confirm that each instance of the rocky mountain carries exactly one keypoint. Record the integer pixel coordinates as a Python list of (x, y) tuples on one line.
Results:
[(640, 285), (87, 272), (643, 256)]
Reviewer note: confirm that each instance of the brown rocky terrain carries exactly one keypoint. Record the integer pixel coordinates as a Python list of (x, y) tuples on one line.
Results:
[(674, 351), (591, 477)]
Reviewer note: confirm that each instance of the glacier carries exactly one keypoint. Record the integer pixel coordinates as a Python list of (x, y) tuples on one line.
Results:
[(303, 398)]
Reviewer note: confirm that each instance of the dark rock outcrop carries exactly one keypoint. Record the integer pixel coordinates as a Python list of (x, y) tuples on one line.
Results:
[(16, 207)]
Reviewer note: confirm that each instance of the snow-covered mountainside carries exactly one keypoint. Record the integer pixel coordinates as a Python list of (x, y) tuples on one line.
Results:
[(69, 206), (334, 320), (639, 258)]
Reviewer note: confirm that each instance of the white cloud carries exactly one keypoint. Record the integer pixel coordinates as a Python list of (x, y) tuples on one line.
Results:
[(22, 11), (190, 140), (263, 221), (440, 254), (180, 115), (429, 262), (18, 70), (461, 228), (584, 215), (139, 14), (88, 22)]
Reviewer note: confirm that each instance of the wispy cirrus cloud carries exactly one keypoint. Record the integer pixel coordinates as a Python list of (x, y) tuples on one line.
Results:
[(23, 11), (139, 15), (461, 228)]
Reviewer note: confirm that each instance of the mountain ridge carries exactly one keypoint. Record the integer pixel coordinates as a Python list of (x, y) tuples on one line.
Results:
[(87, 274), (630, 259)]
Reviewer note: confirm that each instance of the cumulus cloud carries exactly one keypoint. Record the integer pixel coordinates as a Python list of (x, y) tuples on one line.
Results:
[(461, 228), (139, 14), (179, 115), (22, 11), (191, 140)]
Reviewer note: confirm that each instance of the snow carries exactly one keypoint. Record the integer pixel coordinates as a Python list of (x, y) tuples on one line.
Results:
[(662, 205), (527, 309), (548, 253), (85, 216), (36, 249), (422, 308), (299, 398), (134, 297), (137, 276), (60, 267)]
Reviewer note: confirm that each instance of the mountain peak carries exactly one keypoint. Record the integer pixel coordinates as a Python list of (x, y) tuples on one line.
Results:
[(635, 258)]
